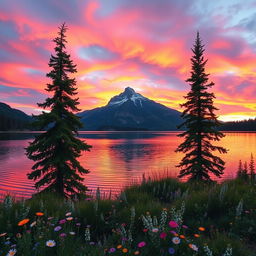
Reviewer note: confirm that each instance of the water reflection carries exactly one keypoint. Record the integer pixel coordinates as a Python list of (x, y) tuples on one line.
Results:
[(117, 158)]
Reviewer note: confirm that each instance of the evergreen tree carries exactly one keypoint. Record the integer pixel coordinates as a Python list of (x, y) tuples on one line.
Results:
[(240, 169), (201, 124), (252, 168), (56, 150)]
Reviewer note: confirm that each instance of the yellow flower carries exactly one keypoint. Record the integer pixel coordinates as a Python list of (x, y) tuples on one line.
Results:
[(201, 228), (23, 222), (125, 250)]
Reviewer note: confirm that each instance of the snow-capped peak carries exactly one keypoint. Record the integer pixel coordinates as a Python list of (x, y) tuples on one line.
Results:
[(128, 94)]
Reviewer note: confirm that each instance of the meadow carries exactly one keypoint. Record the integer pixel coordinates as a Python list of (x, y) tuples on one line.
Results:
[(157, 217)]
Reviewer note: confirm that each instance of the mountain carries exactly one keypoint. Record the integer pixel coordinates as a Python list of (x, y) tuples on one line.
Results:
[(131, 111), (12, 119)]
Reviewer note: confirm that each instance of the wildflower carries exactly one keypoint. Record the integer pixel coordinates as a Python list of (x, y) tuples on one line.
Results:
[(155, 230), (182, 236), (58, 228), (72, 233), (193, 247), (11, 252), (171, 250), (68, 213), (63, 234), (136, 253), (145, 230), (163, 235), (201, 229), (39, 213), (119, 246), (173, 224), (92, 243), (69, 218), (141, 244), (62, 221), (174, 233), (125, 250), (23, 222), (78, 224), (3, 234), (50, 243), (18, 235), (49, 218), (196, 235), (176, 240), (112, 249), (184, 226), (33, 224)]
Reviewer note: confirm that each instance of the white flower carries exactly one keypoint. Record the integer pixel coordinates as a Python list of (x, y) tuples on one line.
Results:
[(50, 243), (68, 213), (176, 240), (33, 224), (11, 252), (193, 247), (72, 233)]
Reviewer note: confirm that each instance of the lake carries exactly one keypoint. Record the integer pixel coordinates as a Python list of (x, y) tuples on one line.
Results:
[(117, 159)]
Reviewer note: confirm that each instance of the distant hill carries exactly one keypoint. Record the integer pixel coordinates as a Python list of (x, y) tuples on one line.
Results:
[(245, 125), (12, 119), (131, 111)]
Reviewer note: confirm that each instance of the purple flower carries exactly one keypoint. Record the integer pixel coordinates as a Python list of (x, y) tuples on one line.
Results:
[(171, 250), (62, 221), (112, 249), (58, 228)]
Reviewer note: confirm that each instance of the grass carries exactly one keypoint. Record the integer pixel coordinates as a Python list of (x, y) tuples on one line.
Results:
[(136, 223)]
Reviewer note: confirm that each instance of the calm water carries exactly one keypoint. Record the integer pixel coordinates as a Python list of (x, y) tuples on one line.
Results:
[(116, 159)]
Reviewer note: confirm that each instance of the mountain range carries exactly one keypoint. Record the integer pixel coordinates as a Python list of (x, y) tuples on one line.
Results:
[(127, 111)]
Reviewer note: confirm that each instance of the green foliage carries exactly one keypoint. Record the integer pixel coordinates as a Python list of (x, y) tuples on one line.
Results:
[(56, 151), (100, 225), (201, 124)]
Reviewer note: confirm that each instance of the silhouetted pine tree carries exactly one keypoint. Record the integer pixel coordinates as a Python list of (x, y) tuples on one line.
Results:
[(252, 168), (240, 170), (201, 124), (56, 150)]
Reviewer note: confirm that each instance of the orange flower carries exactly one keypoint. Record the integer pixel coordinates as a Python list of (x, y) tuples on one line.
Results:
[(125, 250), (201, 228), (182, 236), (39, 213), (23, 222), (119, 246), (196, 235)]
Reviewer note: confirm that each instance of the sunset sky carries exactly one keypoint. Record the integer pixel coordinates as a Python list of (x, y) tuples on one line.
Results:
[(144, 44)]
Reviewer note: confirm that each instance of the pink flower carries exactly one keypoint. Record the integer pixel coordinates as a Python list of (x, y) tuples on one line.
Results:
[(63, 234), (141, 244), (163, 235), (62, 221), (173, 224)]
